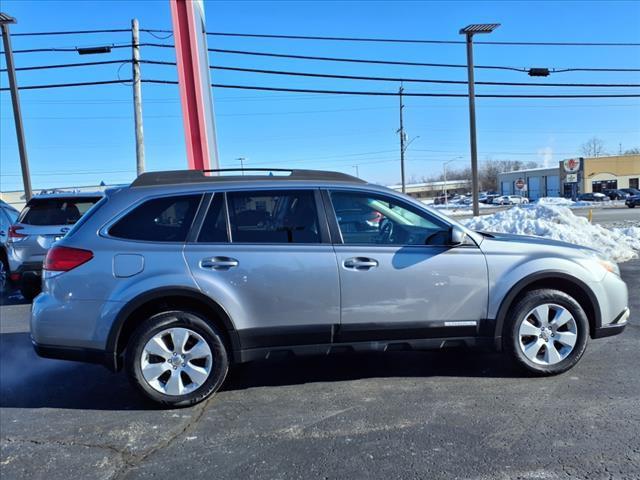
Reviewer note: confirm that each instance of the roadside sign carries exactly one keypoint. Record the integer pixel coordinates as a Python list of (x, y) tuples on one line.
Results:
[(572, 178)]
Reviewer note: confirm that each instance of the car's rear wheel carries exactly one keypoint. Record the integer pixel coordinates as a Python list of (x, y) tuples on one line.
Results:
[(546, 332), (177, 358)]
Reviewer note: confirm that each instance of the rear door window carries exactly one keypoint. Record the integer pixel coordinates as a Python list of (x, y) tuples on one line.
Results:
[(56, 211), (288, 216), (166, 219)]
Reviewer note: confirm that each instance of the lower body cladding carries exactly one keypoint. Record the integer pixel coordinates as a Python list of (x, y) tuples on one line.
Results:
[(267, 343)]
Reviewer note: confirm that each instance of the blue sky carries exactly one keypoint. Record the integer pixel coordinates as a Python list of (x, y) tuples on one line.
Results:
[(82, 136)]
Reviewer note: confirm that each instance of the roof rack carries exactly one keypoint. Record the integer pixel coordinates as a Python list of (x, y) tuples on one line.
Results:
[(171, 177)]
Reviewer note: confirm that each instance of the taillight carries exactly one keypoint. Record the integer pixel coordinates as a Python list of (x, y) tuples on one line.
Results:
[(14, 231), (63, 259)]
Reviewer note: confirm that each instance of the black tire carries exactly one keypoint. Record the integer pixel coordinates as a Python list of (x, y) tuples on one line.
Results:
[(517, 315), (5, 281), (172, 319), (631, 205), (29, 292)]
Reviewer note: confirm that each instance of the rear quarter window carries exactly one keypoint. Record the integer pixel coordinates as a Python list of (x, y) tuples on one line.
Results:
[(56, 211), (166, 219)]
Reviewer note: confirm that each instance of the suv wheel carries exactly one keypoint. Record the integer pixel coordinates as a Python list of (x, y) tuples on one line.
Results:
[(176, 358), (546, 332)]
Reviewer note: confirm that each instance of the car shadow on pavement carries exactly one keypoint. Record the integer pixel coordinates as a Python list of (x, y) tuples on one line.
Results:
[(28, 381), (454, 362)]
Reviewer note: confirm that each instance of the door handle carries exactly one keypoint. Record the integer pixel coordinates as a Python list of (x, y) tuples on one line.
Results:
[(360, 263), (219, 263)]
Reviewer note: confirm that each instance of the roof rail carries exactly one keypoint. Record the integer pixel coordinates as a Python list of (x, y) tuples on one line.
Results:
[(171, 177)]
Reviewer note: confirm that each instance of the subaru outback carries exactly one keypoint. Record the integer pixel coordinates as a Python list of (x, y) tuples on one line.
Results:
[(181, 274)]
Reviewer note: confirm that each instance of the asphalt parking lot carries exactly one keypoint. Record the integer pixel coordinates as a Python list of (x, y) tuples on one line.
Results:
[(449, 414)]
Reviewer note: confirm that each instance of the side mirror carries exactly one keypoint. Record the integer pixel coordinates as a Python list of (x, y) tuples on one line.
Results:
[(457, 236)]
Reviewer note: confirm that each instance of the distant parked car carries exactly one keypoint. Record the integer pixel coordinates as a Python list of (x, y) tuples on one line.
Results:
[(8, 215), (442, 199), (491, 198), (44, 220), (615, 194), (511, 200), (630, 191), (632, 201), (592, 197)]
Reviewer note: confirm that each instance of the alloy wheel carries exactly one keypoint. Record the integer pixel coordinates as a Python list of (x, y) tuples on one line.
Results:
[(548, 334), (176, 361)]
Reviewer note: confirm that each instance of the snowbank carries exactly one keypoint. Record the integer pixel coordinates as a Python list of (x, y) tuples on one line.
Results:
[(559, 223)]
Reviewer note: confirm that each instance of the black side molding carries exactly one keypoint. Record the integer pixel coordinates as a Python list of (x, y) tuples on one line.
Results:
[(77, 354)]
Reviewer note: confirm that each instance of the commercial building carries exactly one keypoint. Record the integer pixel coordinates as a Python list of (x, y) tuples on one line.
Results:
[(532, 183), (434, 189), (572, 177)]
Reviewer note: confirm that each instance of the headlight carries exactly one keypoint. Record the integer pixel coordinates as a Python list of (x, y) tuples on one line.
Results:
[(605, 263)]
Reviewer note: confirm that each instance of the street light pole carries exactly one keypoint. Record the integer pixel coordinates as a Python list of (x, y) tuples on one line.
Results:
[(470, 31), (5, 21)]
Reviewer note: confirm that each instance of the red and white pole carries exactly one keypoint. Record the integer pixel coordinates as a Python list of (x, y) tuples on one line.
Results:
[(195, 83)]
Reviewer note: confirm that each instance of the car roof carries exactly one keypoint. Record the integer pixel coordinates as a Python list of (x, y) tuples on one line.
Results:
[(182, 177)]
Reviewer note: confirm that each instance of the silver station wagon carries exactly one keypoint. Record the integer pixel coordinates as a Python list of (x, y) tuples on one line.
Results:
[(183, 273)]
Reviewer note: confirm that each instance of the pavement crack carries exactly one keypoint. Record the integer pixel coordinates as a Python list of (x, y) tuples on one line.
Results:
[(132, 460)]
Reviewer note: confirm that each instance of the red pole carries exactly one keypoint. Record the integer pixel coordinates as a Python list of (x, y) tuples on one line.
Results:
[(194, 83)]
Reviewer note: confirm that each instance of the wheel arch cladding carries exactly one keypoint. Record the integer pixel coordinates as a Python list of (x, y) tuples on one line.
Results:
[(555, 281), (156, 301)]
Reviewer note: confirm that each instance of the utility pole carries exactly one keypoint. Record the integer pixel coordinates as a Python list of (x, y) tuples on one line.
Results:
[(241, 160), (402, 138), (469, 31), (5, 21), (137, 96), (357, 173)]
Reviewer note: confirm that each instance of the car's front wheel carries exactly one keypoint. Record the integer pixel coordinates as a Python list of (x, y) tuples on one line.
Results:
[(177, 358), (546, 332)]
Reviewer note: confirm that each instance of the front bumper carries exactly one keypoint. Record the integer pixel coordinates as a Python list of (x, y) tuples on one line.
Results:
[(614, 328)]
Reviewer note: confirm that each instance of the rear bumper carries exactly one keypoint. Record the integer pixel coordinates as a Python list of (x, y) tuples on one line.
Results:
[(615, 327), (77, 354), (27, 274)]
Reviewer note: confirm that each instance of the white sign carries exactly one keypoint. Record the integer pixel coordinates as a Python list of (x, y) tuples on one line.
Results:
[(572, 178)]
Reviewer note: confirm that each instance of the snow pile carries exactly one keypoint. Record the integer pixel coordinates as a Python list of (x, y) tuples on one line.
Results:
[(559, 223)]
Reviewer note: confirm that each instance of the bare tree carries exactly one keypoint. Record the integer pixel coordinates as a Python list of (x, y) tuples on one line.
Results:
[(594, 147), (632, 151)]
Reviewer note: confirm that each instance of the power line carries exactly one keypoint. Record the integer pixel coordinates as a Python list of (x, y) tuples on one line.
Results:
[(71, 32), (330, 38), (68, 65), (405, 63), (335, 76), (70, 49), (358, 60), (414, 80), (65, 85), (423, 41), (393, 94), (329, 92)]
